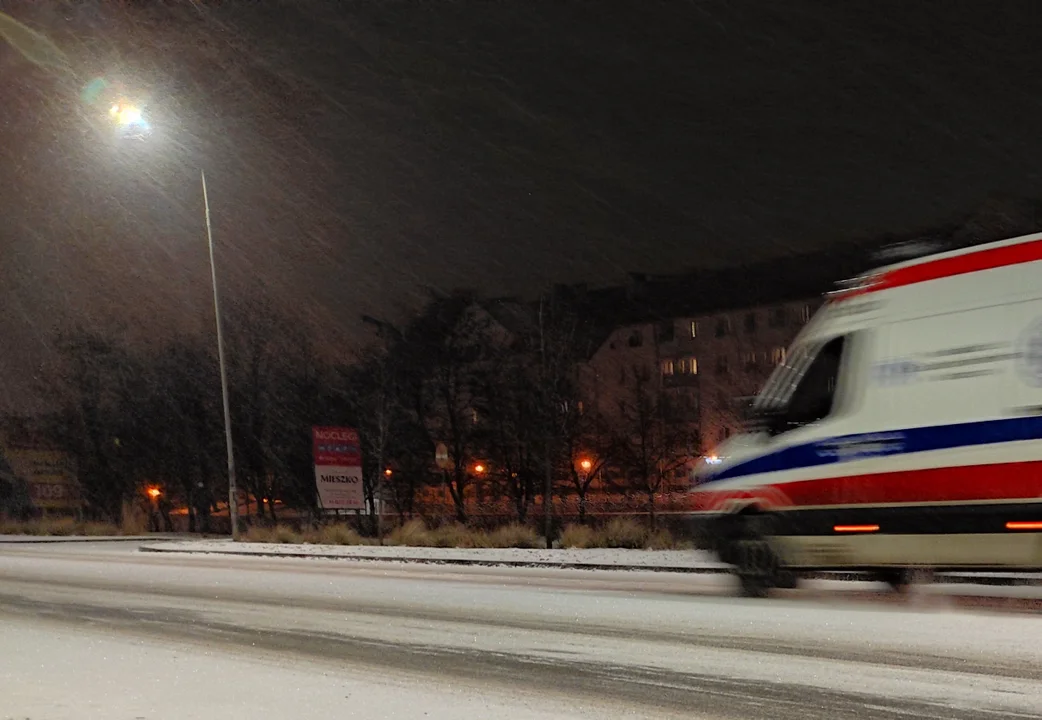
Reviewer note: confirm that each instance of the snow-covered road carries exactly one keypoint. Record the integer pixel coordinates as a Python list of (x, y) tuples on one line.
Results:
[(92, 631)]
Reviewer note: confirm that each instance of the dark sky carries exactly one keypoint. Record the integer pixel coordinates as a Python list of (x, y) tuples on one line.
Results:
[(358, 151)]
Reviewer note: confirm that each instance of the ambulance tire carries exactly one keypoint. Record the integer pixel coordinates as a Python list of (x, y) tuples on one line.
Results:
[(756, 564), (897, 578)]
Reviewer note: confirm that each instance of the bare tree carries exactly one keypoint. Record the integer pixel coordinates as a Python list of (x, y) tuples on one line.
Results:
[(589, 451), (651, 445)]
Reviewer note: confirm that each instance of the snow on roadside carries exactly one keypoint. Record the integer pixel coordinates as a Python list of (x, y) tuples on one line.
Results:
[(594, 557), (49, 671)]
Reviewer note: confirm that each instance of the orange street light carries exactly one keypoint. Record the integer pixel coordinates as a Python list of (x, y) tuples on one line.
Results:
[(479, 469), (154, 492), (585, 464), (388, 472)]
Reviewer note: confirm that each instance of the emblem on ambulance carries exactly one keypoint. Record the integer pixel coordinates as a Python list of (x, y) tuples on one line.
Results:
[(1029, 354)]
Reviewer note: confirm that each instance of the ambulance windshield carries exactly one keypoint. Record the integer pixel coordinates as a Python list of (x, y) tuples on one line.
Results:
[(802, 390)]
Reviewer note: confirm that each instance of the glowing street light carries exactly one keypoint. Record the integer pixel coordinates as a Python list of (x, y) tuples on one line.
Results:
[(479, 469), (154, 492), (585, 464), (131, 123), (129, 120), (388, 472)]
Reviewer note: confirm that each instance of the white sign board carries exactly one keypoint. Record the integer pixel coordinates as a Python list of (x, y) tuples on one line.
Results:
[(340, 487), (338, 468)]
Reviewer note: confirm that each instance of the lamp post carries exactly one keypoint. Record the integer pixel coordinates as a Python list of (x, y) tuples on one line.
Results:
[(233, 491), (132, 123)]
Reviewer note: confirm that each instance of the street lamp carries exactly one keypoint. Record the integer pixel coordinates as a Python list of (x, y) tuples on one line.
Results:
[(233, 491), (131, 122)]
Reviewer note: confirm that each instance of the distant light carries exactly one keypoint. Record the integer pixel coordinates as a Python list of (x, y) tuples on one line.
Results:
[(479, 468), (388, 472), (154, 492), (713, 460), (585, 464), (855, 528)]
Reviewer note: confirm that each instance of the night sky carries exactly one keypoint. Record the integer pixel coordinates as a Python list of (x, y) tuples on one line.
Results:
[(360, 151)]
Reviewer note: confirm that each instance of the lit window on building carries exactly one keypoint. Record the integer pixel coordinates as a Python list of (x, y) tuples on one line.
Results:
[(749, 359), (805, 314), (667, 367), (778, 355), (694, 328), (682, 367), (692, 366)]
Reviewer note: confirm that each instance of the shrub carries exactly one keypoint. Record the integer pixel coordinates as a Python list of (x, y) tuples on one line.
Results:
[(661, 539), (135, 519), (336, 534), (257, 534), (455, 535), (623, 533), (13, 527), (98, 529), (414, 533), (515, 536), (286, 535), (579, 536), (60, 526)]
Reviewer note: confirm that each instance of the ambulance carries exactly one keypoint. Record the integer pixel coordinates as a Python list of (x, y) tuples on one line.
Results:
[(903, 431)]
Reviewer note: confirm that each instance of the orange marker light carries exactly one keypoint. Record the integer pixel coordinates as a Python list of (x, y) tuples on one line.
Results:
[(855, 528), (1024, 525)]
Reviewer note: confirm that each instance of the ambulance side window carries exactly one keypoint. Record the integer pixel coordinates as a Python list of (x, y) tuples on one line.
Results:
[(813, 398)]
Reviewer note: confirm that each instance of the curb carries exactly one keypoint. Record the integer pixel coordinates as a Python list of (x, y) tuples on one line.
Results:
[(960, 578)]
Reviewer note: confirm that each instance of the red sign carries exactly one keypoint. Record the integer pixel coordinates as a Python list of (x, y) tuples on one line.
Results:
[(336, 446)]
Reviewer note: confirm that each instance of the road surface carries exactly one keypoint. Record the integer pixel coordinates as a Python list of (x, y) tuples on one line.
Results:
[(103, 631)]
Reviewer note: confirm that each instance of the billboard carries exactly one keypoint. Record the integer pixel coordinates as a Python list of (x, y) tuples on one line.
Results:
[(337, 453), (50, 476)]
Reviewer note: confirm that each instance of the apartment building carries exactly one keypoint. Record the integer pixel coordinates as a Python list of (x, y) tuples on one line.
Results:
[(704, 364)]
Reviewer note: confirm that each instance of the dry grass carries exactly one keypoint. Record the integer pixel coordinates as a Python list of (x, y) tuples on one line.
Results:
[(59, 527), (515, 536), (453, 535), (335, 534), (623, 533), (578, 536), (135, 519), (619, 533), (258, 534), (459, 536), (413, 533)]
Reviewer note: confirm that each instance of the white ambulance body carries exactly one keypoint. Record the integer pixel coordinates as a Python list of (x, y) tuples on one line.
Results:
[(904, 428)]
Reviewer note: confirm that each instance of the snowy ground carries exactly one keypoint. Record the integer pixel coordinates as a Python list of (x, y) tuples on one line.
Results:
[(53, 672), (212, 636), (594, 557)]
